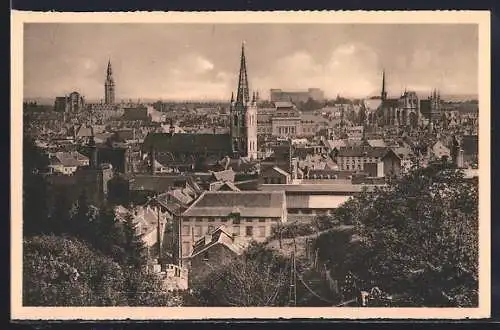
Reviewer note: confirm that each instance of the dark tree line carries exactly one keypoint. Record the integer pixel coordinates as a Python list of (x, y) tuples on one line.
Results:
[(78, 254)]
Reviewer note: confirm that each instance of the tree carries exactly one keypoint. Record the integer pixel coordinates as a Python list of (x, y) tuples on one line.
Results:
[(108, 235), (260, 277), (133, 245), (63, 271), (419, 237), (35, 208)]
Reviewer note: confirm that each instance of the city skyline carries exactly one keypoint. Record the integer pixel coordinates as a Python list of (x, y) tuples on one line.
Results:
[(190, 64)]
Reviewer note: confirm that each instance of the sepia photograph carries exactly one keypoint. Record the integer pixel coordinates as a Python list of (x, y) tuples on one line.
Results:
[(292, 164)]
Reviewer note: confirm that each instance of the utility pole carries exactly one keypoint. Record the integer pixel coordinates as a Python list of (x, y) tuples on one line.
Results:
[(293, 283), (158, 232)]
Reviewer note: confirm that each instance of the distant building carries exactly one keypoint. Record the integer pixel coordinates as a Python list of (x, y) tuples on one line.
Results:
[(402, 111), (278, 95), (431, 107), (72, 103)]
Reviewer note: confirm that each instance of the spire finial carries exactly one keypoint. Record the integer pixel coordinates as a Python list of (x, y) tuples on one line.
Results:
[(383, 94), (243, 95)]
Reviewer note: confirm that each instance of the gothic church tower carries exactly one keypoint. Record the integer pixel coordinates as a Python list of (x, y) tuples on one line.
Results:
[(243, 115), (109, 86)]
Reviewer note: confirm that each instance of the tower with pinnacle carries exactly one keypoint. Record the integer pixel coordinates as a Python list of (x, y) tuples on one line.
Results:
[(243, 113), (109, 86)]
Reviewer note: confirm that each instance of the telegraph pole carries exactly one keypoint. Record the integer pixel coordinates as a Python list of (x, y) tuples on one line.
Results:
[(293, 283)]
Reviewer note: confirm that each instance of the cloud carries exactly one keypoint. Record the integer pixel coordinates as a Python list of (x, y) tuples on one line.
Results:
[(351, 70)]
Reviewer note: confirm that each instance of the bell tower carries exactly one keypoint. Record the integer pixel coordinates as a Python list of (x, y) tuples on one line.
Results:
[(109, 86), (243, 116)]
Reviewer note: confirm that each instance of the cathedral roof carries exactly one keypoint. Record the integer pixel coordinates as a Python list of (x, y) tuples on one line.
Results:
[(188, 143)]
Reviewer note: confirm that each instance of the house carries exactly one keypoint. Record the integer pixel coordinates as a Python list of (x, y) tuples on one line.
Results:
[(248, 215), (66, 163), (354, 158), (440, 151), (275, 175), (150, 224), (213, 249)]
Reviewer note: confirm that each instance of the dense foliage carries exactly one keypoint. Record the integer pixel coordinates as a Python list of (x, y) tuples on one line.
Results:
[(78, 255), (417, 237)]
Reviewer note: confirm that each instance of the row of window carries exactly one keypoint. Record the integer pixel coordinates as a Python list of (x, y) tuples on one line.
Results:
[(198, 231), (358, 159), (226, 219)]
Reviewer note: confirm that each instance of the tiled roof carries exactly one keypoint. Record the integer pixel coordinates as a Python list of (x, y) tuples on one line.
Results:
[(331, 144), (246, 203), (372, 104), (283, 104), (226, 175), (377, 152), (218, 236), (157, 183), (376, 143), (192, 143), (311, 188)]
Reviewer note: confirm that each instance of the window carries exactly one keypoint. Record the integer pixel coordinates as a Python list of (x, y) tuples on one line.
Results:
[(211, 219), (186, 248), (262, 220), (249, 231), (236, 220), (236, 230), (205, 256), (185, 230), (199, 219), (223, 219), (197, 230), (262, 231), (210, 229), (249, 220)]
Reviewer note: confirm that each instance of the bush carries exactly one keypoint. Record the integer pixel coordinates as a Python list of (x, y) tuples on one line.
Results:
[(293, 229)]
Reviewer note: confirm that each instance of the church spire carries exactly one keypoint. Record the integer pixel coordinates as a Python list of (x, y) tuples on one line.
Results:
[(243, 95), (383, 94), (109, 71)]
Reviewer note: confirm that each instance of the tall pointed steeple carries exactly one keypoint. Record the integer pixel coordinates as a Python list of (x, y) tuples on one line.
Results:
[(243, 114), (109, 86), (243, 95), (109, 71), (383, 94)]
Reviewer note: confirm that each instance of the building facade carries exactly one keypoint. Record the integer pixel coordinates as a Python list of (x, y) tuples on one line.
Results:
[(278, 95), (247, 215)]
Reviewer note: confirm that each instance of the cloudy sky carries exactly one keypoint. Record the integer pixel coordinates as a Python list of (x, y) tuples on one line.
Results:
[(201, 61)]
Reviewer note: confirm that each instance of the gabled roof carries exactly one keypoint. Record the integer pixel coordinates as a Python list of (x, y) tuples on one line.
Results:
[(218, 236), (246, 203), (332, 144), (376, 143), (226, 175), (372, 104)]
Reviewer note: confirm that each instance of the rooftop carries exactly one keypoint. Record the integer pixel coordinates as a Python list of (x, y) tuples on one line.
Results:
[(246, 203)]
